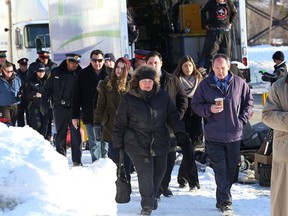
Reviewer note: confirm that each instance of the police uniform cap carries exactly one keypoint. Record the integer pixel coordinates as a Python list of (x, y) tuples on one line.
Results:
[(23, 61), (43, 52), (3, 53), (39, 67), (73, 57), (141, 54)]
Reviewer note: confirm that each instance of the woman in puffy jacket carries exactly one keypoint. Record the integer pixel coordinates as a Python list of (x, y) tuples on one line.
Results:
[(141, 129)]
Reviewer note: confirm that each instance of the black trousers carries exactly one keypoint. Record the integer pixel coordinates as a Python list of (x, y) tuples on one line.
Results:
[(150, 171), (23, 113), (10, 112), (224, 161), (216, 42), (188, 169), (171, 157), (38, 121), (62, 118)]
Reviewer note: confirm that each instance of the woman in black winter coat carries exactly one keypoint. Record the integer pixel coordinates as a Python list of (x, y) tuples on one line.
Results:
[(34, 87), (190, 78), (141, 129)]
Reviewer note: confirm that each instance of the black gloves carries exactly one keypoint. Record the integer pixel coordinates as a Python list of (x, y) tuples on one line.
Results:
[(181, 138), (43, 110), (98, 132)]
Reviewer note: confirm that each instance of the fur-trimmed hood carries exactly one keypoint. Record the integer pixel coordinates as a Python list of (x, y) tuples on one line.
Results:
[(134, 88)]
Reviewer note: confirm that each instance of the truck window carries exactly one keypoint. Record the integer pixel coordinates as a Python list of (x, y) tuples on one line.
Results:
[(34, 31)]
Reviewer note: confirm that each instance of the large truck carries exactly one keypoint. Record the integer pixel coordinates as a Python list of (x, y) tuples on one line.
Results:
[(21, 24), (184, 36), (81, 26)]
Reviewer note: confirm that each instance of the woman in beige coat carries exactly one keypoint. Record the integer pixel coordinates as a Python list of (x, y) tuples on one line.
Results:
[(275, 115)]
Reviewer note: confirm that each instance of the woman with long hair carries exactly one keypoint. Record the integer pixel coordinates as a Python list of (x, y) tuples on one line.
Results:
[(190, 78), (110, 91)]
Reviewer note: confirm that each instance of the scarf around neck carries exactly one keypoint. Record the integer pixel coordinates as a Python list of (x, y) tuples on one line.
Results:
[(190, 84)]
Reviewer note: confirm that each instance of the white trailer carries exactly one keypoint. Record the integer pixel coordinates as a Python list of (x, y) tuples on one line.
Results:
[(21, 22), (81, 26)]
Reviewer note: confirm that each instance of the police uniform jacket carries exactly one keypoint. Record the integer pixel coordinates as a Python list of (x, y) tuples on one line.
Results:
[(59, 86), (9, 90), (141, 122)]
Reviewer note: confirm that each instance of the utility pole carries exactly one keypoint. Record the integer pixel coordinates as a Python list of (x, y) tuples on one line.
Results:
[(270, 21)]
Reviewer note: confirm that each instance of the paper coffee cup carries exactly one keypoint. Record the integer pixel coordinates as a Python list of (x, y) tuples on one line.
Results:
[(219, 102)]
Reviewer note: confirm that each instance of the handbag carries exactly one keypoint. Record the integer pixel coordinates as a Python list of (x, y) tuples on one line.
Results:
[(123, 186)]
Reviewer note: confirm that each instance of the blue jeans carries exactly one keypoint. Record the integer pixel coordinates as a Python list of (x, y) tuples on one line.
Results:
[(98, 149)]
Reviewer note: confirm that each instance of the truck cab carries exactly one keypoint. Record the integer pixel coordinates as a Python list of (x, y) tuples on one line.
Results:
[(23, 24), (28, 38)]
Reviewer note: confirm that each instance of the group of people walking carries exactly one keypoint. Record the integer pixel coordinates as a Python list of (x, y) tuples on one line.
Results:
[(137, 106)]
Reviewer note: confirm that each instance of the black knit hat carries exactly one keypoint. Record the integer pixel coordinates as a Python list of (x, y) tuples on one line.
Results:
[(147, 74), (278, 56)]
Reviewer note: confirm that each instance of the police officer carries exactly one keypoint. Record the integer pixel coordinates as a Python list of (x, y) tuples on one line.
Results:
[(139, 59), (59, 86), (44, 58), (3, 59), (22, 109)]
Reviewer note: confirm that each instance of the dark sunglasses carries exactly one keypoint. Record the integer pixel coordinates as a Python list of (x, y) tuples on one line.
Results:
[(9, 71), (44, 57), (97, 60)]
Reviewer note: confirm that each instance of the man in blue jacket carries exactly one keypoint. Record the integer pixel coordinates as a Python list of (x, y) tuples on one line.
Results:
[(10, 94), (223, 125)]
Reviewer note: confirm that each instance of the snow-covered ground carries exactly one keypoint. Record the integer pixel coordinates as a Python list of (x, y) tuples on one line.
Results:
[(36, 181)]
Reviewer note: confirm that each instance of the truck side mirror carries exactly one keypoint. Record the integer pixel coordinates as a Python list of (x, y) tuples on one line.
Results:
[(18, 39), (39, 44)]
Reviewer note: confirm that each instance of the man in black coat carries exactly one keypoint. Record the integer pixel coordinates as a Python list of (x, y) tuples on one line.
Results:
[(218, 23), (59, 87), (85, 99), (172, 85), (23, 113)]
